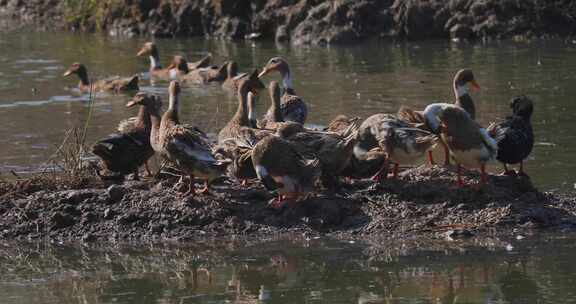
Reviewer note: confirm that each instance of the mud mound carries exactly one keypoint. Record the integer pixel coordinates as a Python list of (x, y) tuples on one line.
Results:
[(423, 200)]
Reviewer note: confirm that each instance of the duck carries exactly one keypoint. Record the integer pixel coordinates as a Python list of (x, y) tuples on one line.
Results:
[(126, 151), (183, 73), (514, 135), (112, 84), (293, 106), (233, 79), (469, 144), (184, 145), (273, 116), (240, 124), (333, 150), (156, 70), (285, 167), (463, 79), (401, 142)]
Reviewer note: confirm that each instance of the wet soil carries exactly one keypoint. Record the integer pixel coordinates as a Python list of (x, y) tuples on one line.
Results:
[(423, 201)]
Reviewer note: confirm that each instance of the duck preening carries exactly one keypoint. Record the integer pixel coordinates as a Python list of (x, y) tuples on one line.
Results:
[(125, 152), (112, 84), (514, 135), (293, 106), (469, 144)]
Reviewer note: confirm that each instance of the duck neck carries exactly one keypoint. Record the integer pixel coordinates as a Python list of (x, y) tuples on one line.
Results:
[(241, 116), (232, 70), (143, 119), (287, 80), (83, 75), (155, 61), (464, 100), (155, 120), (252, 111), (171, 114), (275, 107)]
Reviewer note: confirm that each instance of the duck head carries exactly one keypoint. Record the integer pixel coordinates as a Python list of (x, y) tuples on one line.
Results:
[(180, 63), (76, 68), (252, 83), (463, 79), (522, 106), (150, 101), (287, 129), (280, 65), (148, 49)]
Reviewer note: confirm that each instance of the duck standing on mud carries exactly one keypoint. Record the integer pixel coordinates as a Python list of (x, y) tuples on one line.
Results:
[(293, 106), (468, 143), (463, 79), (514, 135)]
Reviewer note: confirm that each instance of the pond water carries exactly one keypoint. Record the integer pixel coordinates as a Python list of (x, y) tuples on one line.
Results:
[(315, 270), (37, 105)]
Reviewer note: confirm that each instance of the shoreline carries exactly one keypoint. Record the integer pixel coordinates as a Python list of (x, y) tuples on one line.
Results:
[(422, 203), (303, 22)]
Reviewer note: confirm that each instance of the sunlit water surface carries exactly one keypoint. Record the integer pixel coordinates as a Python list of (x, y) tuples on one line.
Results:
[(316, 270), (37, 105)]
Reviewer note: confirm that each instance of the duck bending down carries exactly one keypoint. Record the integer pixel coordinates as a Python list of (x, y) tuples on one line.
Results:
[(185, 146), (293, 106), (469, 144), (126, 151), (401, 142), (112, 84), (333, 150), (285, 167), (514, 135), (463, 79), (156, 70)]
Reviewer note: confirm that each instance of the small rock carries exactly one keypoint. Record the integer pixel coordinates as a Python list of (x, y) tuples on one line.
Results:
[(115, 193)]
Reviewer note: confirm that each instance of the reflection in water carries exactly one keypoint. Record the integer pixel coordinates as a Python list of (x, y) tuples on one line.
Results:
[(357, 80), (291, 271)]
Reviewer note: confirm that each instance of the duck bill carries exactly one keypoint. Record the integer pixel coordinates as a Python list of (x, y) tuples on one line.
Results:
[(141, 53), (474, 85), (131, 103), (265, 71), (67, 73)]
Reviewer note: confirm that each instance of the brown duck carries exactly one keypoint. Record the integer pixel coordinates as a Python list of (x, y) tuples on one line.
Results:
[(233, 78), (156, 70), (125, 152), (273, 117), (113, 84), (293, 107), (469, 144), (285, 167)]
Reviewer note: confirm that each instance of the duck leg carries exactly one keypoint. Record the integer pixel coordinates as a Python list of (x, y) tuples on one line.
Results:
[(446, 155), (483, 175), (206, 189), (430, 158), (395, 171), (383, 172), (508, 171), (521, 172), (136, 175), (460, 182), (148, 172), (190, 186)]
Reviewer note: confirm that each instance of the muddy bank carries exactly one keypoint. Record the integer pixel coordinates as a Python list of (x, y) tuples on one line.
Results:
[(423, 202), (304, 21)]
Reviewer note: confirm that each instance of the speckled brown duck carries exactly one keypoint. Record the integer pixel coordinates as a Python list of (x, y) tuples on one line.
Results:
[(514, 135), (125, 152), (402, 143), (156, 70), (334, 150), (185, 146), (463, 79), (273, 117), (293, 106), (112, 84), (286, 168), (232, 130), (469, 144)]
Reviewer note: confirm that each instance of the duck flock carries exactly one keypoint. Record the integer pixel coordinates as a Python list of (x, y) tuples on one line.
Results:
[(284, 155)]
